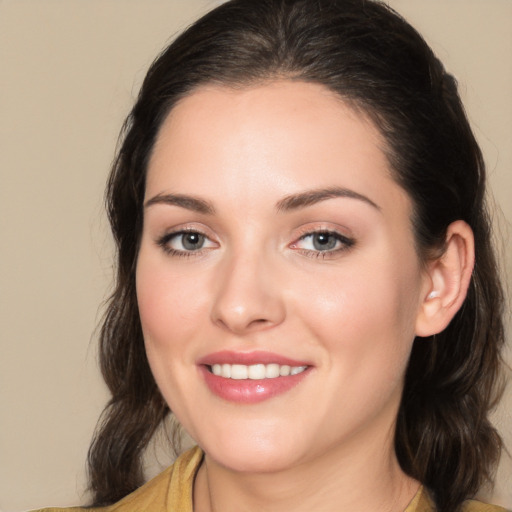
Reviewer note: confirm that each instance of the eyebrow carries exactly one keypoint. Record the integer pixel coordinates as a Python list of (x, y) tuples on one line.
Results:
[(311, 197), (288, 203), (184, 201)]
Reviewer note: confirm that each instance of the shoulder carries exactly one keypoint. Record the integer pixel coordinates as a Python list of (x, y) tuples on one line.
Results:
[(422, 502), (478, 506), (170, 491)]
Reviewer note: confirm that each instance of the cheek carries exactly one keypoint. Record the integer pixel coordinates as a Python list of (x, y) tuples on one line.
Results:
[(168, 306), (365, 314), (168, 309)]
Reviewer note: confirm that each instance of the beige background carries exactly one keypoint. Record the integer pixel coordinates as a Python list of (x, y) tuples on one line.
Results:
[(69, 72)]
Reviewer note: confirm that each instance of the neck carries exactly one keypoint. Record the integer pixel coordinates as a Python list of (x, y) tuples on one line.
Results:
[(361, 478)]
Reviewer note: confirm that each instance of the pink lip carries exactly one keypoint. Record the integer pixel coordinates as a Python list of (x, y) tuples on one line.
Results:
[(248, 358), (249, 391)]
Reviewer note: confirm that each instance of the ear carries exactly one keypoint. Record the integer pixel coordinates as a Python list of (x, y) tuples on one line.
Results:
[(447, 280)]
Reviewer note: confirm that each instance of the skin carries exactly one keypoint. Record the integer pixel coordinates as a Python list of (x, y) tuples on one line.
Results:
[(259, 283)]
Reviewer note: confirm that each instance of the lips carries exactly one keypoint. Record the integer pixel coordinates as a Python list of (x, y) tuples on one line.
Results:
[(251, 377), (249, 358)]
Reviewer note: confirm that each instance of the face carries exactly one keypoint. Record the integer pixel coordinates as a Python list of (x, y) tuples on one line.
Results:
[(277, 278)]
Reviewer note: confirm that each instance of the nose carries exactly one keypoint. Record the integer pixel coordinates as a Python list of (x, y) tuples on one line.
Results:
[(248, 297)]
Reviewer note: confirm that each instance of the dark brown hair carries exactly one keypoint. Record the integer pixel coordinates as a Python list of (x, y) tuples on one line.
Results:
[(374, 60)]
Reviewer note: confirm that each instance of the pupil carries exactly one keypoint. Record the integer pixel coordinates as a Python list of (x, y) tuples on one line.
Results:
[(192, 241), (324, 241)]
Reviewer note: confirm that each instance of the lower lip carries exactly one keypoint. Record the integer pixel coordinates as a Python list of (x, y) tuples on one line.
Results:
[(247, 391)]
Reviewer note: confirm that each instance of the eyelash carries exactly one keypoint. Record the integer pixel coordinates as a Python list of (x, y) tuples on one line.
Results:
[(346, 244), (164, 241)]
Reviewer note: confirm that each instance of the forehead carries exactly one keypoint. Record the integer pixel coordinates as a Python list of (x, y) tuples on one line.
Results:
[(281, 137), (283, 109)]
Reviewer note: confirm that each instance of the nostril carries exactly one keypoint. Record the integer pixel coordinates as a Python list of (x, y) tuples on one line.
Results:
[(243, 306)]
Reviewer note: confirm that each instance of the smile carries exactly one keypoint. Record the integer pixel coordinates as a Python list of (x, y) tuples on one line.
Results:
[(255, 371), (251, 377)]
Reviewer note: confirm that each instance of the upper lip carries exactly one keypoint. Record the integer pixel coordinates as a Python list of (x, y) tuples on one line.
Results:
[(248, 358)]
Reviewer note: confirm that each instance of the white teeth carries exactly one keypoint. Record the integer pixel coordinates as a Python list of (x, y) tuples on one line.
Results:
[(226, 370), (284, 370), (272, 371), (255, 371), (297, 369), (239, 371)]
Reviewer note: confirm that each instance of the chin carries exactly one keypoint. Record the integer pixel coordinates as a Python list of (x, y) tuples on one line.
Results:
[(255, 451), (254, 460)]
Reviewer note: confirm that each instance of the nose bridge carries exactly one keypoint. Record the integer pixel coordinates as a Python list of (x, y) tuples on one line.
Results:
[(248, 297)]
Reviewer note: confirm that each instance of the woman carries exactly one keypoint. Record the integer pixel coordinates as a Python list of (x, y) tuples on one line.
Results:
[(305, 273)]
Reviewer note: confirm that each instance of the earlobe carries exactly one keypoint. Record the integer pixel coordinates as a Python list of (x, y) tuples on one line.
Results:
[(447, 280)]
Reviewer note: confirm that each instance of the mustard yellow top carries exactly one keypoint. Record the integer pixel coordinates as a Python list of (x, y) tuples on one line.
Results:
[(171, 491)]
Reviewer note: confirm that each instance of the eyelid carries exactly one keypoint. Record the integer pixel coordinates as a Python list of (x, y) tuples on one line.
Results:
[(164, 240), (346, 241)]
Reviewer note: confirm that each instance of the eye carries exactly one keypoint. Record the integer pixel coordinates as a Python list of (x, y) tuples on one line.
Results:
[(185, 242), (188, 241), (323, 242)]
